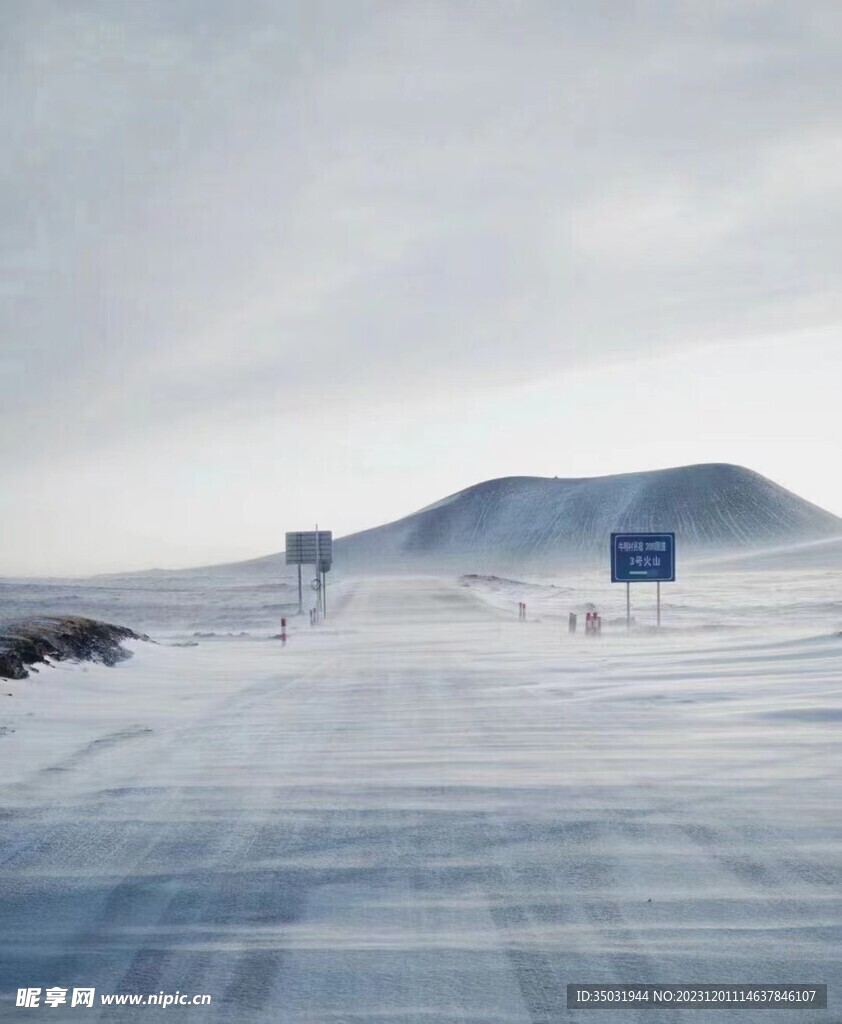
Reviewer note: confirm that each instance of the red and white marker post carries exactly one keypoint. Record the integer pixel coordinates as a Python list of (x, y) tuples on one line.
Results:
[(593, 623)]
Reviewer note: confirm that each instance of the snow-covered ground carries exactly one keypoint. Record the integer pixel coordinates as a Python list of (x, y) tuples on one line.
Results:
[(769, 604), (424, 810), (168, 603)]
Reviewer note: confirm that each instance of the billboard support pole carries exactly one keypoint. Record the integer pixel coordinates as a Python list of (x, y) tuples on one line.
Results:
[(659, 604), (319, 591), (628, 605), (300, 594)]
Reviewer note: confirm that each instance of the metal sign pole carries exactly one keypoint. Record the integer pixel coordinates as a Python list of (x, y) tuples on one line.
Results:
[(628, 605), (300, 593), (659, 604), (324, 593), (319, 591)]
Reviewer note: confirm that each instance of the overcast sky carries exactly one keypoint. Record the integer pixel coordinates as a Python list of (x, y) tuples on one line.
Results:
[(263, 264)]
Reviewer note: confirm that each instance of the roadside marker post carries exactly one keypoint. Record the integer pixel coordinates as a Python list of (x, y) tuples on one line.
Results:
[(283, 631)]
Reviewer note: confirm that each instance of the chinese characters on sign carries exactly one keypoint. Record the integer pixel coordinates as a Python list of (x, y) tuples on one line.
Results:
[(638, 557)]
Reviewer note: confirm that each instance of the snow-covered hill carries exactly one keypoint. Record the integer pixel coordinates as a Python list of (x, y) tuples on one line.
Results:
[(549, 531), (517, 520), (516, 523)]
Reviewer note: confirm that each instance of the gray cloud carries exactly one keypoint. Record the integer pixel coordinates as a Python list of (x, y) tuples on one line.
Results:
[(214, 209)]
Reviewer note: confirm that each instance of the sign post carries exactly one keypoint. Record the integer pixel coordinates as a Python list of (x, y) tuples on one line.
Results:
[(642, 558), (300, 594), (318, 574), (312, 547)]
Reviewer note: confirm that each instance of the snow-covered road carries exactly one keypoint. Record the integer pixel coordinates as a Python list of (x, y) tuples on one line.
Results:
[(423, 811)]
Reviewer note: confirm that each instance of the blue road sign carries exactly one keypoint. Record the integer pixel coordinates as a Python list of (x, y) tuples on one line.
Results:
[(642, 557)]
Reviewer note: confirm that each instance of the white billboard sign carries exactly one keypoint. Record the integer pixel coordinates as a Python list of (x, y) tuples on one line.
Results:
[(310, 548)]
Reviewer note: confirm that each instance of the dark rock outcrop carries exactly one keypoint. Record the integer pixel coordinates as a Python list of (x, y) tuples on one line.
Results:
[(25, 642)]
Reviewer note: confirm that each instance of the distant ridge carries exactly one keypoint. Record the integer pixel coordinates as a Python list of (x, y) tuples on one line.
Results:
[(525, 520)]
